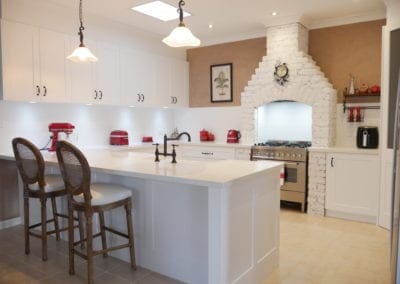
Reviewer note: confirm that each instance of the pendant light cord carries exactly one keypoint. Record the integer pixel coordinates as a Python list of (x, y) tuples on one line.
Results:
[(81, 28), (180, 11)]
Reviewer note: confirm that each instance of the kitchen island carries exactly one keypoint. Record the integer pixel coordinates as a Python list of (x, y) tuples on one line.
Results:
[(197, 221)]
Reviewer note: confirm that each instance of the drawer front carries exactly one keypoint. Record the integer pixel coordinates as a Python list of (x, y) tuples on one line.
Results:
[(209, 153)]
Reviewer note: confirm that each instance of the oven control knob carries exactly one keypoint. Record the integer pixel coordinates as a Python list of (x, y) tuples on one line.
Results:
[(299, 155), (293, 155)]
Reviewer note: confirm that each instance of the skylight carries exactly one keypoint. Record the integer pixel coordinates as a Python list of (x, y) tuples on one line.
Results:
[(159, 10)]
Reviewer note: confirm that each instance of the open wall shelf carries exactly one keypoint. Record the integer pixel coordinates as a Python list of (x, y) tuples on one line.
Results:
[(362, 99)]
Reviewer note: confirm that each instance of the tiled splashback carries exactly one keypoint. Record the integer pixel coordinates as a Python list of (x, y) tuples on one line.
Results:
[(93, 123)]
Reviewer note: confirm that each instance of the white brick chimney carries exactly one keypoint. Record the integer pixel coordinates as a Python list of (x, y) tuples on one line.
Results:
[(307, 84)]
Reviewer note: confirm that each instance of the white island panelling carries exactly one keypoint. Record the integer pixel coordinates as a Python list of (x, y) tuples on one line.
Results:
[(200, 222)]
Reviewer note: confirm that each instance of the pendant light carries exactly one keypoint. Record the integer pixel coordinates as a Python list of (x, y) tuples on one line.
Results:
[(82, 53), (181, 36)]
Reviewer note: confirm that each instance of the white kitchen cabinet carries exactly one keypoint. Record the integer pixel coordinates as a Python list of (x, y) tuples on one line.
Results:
[(96, 82), (242, 154), (19, 61), (107, 74), (137, 78), (207, 153), (352, 186), (33, 63), (179, 83), (163, 80), (81, 77)]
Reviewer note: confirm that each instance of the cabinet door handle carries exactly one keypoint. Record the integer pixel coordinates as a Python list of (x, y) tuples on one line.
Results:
[(332, 162), (176, 100), (101, 95), (142, 97), (138, 97), (172, 100), (95, 96), (37, 90), (45, 91)]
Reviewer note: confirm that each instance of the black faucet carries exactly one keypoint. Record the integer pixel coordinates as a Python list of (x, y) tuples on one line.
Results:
[(165, 153), (176, 138)]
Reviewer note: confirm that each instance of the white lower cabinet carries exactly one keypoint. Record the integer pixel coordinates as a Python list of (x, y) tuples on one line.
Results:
[(352, 186)]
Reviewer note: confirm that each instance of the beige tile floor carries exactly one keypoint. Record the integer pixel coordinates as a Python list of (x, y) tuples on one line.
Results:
[(312, 250), (324, 250)]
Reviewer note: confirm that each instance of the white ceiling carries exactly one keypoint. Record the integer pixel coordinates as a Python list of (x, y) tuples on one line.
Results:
[(233, 19)]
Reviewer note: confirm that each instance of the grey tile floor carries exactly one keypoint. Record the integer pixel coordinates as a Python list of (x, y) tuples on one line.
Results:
[(16, 267)]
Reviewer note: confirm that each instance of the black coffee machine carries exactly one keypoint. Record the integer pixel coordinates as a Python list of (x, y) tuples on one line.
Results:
[(367, 137)]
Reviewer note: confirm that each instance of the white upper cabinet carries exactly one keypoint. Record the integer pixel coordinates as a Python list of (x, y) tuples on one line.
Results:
[(163, 80), (107, 74), (53, 52), (137, 78), (33, 63), (19, 62), (35, 68), (179, 83), (81, 77)]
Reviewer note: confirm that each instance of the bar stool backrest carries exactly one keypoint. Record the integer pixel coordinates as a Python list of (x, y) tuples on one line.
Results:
[(74, 169), (30, 162)]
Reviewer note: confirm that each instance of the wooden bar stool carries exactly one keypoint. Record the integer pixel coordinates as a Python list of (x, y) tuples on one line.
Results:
[(36, 184), (89, 199)]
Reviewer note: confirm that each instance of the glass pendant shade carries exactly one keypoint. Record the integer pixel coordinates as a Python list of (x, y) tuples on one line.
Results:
[(181, 37), (82, 54)]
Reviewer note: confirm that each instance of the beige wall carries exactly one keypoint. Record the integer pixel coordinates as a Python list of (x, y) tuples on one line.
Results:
[(339, 51), (244, 55), (354, 48)]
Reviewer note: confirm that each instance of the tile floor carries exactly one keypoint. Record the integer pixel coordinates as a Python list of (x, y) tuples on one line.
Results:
[(312, 250)]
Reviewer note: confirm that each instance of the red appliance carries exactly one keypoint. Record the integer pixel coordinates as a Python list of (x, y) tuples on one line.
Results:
[(119, 138), (233, 136), (55, 128), (206, 136), (146, 139)]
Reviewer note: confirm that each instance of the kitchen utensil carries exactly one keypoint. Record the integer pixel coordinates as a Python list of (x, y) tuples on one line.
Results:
[(119, 138), (233, 136), (367, 137), (56, 128)]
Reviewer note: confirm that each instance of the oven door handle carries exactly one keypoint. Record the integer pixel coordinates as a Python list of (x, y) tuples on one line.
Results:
[(292, 163)]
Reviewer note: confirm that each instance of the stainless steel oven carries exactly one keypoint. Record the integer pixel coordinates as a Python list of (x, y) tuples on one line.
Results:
[(295, 156)]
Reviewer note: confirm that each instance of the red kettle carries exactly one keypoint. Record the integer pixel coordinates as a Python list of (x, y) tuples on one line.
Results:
[(233, 136)]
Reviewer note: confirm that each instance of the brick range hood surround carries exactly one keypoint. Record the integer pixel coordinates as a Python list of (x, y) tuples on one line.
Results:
[(307, 84)]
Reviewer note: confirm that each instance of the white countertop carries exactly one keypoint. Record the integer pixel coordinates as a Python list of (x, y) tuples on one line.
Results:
[(142, 165), (345, 150)]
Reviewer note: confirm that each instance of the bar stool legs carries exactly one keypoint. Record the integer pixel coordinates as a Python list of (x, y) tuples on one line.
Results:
[(71, 239), (56, 227), (89, 244), (26, 224), (128, 209), (44, 228), (103, 233)]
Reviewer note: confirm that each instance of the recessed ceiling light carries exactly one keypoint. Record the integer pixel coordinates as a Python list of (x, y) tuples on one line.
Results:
[(159, 10), (274, 13), (210, 26)]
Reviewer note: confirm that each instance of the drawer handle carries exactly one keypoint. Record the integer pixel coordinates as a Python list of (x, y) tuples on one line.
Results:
[(332, 162), (45, 91), (207, 153), (38, 90), (101, 95)]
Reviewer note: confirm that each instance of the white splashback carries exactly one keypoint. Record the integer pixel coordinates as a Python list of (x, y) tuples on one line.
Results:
[(284, 121), (218, 120), (93, 123)]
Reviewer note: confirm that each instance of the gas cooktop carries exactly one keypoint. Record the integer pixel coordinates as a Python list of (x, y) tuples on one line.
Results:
[(285, 143)]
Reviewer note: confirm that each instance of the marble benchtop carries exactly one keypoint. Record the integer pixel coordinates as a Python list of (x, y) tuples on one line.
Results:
[(142, 165)]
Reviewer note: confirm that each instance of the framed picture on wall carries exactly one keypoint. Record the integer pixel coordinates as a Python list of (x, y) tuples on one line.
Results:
[(221, 83)]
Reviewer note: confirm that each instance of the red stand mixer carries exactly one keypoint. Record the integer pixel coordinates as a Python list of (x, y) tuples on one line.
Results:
[(56, 128)]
